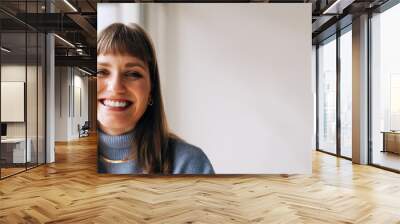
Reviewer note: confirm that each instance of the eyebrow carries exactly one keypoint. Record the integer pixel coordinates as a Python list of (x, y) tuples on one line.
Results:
[(131, 64), (105, 64)]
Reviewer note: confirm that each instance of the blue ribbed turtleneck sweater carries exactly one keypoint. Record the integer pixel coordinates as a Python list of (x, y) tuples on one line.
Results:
[(188, 159)]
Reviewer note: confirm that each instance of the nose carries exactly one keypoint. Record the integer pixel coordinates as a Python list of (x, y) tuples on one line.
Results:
[(115, 84)]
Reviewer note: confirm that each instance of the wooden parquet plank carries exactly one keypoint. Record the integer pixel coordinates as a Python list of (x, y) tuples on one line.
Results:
[(70, 191)]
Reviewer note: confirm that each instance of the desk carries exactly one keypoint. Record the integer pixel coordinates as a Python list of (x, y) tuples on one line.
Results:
[(16, 147), (391, 141)]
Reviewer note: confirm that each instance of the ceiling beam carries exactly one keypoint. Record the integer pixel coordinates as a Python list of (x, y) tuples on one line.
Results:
[(86, 26), (82, 61), (337, 7)]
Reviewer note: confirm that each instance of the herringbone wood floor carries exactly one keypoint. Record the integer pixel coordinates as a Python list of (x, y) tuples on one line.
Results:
[(70, 191)]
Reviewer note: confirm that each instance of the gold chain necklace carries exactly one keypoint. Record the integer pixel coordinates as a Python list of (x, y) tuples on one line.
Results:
[(130, 158)]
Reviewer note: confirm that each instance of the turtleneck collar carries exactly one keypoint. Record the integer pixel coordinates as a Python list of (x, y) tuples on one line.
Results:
[(115, 147), (116, 141)]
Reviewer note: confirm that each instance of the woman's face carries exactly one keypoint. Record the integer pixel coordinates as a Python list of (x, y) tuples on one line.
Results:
[(123, 92)]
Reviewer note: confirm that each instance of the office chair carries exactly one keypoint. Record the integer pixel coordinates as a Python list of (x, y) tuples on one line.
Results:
[(84, 130)]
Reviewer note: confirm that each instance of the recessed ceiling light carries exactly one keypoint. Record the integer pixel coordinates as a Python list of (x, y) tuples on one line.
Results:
[(64, 40), (5, 49), (84, 71), (337, 7), (70, 5)]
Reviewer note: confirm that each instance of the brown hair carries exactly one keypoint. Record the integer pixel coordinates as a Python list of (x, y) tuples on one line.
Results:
[(151, 131)]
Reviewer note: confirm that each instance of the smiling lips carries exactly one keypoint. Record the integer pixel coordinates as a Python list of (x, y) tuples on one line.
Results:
[(116, 104)]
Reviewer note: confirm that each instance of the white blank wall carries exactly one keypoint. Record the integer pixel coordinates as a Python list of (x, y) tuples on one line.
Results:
[(121, 12), (12, 101), (237, 82), (239, 87), (66, 121)]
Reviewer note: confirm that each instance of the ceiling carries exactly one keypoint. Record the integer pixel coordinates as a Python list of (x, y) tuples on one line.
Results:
[(75, 21)]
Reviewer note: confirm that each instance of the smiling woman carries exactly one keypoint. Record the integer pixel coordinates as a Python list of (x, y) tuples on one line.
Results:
[(123, 79), (133, 131)]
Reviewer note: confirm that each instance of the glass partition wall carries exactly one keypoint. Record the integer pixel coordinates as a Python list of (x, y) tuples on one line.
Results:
[(334, 88), (22, 77), (385, 89)]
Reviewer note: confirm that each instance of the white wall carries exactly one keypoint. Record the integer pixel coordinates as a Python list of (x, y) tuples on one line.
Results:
[(80, 96), (122, 12), (12, 100), (61, 103), (239, 87), (314, 88), (66, 100), (17, 73), (33, 127)]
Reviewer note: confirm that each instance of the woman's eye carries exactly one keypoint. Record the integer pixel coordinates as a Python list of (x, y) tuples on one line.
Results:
[(134, 74), (101, 72)]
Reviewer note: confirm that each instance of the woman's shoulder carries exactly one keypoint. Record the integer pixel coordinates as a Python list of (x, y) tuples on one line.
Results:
[(189, 159)]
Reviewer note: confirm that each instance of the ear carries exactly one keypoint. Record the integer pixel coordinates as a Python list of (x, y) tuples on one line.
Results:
[(150, 101)]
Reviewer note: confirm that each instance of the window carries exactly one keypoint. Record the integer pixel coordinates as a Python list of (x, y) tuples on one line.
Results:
[(327, 96), (385, 89), (346, 93)]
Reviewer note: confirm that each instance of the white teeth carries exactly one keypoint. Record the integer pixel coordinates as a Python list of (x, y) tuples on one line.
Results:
[(115, 103)]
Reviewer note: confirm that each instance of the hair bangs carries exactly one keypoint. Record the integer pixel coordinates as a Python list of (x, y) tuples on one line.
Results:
[(123, 39)]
